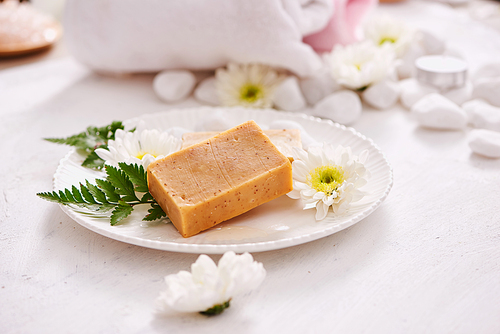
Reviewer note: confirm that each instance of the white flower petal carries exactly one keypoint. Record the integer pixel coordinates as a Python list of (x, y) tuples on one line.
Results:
[(319, 195), (241, 273), (310, 205), (202, 266), (299, 154), (314, 160), (309, 192), (363, 156), (342, 207), (360, 169), (104, 154), (321, 210), (294, 194), (300, 185), (310, 200), (328, 200), (147, 159), (300, 170), (357, 195), (360, 182)]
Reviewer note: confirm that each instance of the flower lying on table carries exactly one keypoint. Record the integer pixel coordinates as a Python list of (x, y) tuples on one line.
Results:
[(247, 85), (138, 147), (209, 288), (328, 177)]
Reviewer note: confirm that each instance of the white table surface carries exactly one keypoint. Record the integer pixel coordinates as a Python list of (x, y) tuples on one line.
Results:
[(427, 261)]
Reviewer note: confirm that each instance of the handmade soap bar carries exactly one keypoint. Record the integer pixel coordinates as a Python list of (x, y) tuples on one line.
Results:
[(219, 178), (283, 139)]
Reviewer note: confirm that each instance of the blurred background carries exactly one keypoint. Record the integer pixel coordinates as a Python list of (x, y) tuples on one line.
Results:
[(20, 18)]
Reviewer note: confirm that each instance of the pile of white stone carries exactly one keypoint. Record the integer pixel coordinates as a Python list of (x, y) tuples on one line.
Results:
[(476, 104)]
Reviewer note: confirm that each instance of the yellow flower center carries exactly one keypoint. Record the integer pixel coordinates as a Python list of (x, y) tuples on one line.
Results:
[(326, 178), (251, 92), (388, 40), (141, 155)]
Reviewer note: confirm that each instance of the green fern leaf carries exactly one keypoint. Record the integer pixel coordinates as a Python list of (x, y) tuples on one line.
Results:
[(108, 189), (155, 212), (87, 195), (121, 211), (137, 175), (122, 183)]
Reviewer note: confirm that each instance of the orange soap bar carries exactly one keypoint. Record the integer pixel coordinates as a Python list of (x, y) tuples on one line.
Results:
[(219, 178), (284, 139)]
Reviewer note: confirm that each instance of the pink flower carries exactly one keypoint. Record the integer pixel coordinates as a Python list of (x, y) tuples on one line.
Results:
[(344, 26)]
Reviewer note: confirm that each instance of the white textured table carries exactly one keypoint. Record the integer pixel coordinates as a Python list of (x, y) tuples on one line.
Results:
[(427, 261)]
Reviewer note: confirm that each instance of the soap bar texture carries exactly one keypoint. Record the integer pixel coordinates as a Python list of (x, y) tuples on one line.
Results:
[(283, 139), (219, 178)]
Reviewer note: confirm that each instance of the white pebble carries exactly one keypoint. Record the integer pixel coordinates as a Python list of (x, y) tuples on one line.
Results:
[(488, 89), (433, 45), (307, 140), (406, 68), (172, 86), (206, 91), (460, 95), (436, 111), (288, 95), (485, 142), (484, 116), (318, 87), (490, 70), (412, 90), (470, 106), (342, 107), (214, 121), (382, 95)]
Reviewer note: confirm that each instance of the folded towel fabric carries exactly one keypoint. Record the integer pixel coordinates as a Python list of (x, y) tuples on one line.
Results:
[(154, 35)]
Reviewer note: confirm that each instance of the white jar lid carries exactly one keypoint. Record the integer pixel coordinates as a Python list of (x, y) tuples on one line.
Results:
[(443, 72)]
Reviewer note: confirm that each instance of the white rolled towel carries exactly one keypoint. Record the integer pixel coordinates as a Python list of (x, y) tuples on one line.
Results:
[(151, 35)]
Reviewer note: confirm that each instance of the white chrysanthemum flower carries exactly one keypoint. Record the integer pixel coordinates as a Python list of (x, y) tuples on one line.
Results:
[(140, 148), (328, 177), (357, 66), (209, 288), (247, 85), (386, 31)]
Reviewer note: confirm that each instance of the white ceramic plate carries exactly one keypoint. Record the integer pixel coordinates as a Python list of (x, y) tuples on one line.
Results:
[(274, 225)]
